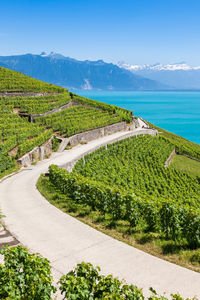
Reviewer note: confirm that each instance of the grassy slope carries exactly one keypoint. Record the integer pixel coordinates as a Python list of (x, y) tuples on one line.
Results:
[(186, 164), (183, 146), (14, 169)]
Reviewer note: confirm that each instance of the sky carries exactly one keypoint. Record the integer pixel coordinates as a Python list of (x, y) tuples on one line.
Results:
[(134, 31)]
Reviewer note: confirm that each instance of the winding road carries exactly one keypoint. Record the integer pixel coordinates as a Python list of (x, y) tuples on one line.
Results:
[(66, 241)]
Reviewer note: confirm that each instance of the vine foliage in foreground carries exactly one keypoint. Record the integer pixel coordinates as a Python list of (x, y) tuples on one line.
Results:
[(26, 276)]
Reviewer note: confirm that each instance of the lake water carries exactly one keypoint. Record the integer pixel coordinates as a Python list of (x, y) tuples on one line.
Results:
[(178, 112)]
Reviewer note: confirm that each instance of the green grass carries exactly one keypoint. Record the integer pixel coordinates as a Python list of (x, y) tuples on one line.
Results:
[(186, 165), (14, 169), (152, 243)]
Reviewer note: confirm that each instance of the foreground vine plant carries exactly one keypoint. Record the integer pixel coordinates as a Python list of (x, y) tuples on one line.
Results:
[(28, 276)]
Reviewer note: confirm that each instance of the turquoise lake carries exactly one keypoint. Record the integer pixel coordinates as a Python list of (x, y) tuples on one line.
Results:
[(178, 112)]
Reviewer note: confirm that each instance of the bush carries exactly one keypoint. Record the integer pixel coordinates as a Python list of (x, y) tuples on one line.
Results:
[(85, 282), (192, 228), (55, 144), (24, 275)]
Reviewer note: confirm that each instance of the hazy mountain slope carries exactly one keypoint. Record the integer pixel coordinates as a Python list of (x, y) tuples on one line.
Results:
[(74, 74), (179, 79), (178, 76)]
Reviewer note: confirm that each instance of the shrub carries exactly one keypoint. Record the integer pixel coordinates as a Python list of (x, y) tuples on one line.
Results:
[(25, 275), (85, 282)]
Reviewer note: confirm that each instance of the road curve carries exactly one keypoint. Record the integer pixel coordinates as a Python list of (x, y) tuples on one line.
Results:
[(66, 241)]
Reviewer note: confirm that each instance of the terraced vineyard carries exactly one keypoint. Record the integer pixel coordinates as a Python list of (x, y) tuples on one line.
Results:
[(17, 137), (21, 95), (129, 182), (36, 104), (11, 81), (124, 185), (78, 119), (123, 113)]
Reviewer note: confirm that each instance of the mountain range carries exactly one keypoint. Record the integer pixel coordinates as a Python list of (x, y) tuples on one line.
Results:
[(177, 76), (75, 74), (99, 75)]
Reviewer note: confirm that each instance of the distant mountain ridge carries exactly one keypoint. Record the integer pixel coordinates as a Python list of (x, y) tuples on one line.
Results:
[(171, 67), (177, 75), (74, 74)]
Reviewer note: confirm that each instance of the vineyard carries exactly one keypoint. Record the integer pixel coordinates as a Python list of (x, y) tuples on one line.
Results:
[(129, 182), (123, 184), (11, 81), (182, 145), (19, 135), (23, 96), (36, 104), (78, 119), (123, 113), (137, 164)]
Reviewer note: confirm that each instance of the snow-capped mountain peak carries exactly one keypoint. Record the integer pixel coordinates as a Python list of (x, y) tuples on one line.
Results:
[(52, 54), (158, 67)]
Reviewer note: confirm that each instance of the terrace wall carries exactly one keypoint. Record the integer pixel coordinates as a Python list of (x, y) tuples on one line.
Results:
[(170, 158), (94, 134), (38, 153)]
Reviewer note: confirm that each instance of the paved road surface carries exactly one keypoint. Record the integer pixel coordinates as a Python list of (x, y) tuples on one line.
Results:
[(66, 241)]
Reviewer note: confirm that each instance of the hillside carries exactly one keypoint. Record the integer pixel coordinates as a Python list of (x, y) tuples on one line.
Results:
[(22, 98), (75, 74), (126, 191), (137, 191), (11, 82), (178, 76)]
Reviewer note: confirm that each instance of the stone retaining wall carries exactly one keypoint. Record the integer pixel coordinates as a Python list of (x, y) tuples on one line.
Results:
[(32, 117), (137, 124), (70, 104), (38, 153), (147, 124), (94, 134), (170, 158)]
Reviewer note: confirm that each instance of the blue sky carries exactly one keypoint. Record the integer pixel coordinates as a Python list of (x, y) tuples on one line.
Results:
[(135, 31)]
